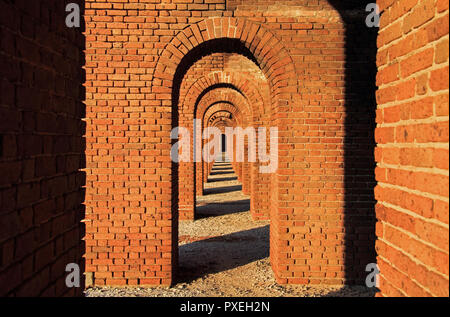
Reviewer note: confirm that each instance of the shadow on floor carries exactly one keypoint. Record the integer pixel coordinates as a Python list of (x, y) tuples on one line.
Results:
[(353, 291), (222, 190), (221, 173), (220, 254), (216, 180), (220, 209)]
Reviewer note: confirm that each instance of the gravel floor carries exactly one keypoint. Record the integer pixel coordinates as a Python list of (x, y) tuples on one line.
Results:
[(225, 253)]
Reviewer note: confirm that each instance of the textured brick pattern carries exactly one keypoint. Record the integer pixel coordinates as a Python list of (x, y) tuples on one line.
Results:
[(41, 148), (412, 152)]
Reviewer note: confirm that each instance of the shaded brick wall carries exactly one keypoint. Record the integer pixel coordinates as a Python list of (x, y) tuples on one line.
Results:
[(41, 148), (412, 151)]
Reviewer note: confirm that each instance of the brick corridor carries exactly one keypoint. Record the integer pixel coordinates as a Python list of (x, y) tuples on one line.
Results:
[(360, 145)]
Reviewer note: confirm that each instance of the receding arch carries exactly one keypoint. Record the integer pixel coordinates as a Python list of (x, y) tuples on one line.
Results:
[(217, 86), (227, 97), (234, 35), (173, 63), (234, 113), (239, 83)]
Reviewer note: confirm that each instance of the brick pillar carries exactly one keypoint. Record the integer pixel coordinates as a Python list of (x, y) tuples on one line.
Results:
[(412, 153), (199, 179), (246, 171), (186, 176)]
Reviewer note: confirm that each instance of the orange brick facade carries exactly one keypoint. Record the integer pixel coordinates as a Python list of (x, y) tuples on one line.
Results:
[(362, 118), (412, 152)]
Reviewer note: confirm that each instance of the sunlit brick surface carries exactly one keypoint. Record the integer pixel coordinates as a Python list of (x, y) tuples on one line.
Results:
[(412, 151)]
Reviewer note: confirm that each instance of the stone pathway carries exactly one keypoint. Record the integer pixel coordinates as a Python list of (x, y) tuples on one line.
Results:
[(225, 253)]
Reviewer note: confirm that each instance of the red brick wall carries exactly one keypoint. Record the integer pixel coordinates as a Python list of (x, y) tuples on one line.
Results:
[(41, 148), (412, 152), (318, 92)]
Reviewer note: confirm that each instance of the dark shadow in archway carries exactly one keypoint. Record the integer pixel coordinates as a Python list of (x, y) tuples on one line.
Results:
[(221, 209), (359, 160), (222, 190), (218, 172), (219, 254), (225, 179)]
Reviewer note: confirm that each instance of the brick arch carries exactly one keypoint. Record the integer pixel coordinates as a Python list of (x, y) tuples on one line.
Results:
[(223, 107), (230, 35), (221, 122), (248, 175), (221, 126), (227, 99), (225, 96), (253, 183), (240, 82), (313, 251), (192, 175), (218, 120), (244, 171), (262, 46)]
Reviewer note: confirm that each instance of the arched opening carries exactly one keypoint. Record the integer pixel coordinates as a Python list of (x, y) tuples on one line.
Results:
[(224, 198), (184, 112), (278, 68)]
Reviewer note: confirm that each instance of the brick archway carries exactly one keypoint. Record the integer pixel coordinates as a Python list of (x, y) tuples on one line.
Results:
[(241, 92), (240, 83), (228, 102), (316, 187), (223, 107), (191, 175), (206, 37), (232, 97), (222, 120)]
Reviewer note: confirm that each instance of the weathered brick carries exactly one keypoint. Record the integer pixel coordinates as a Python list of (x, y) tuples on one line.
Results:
[(412, 165)]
